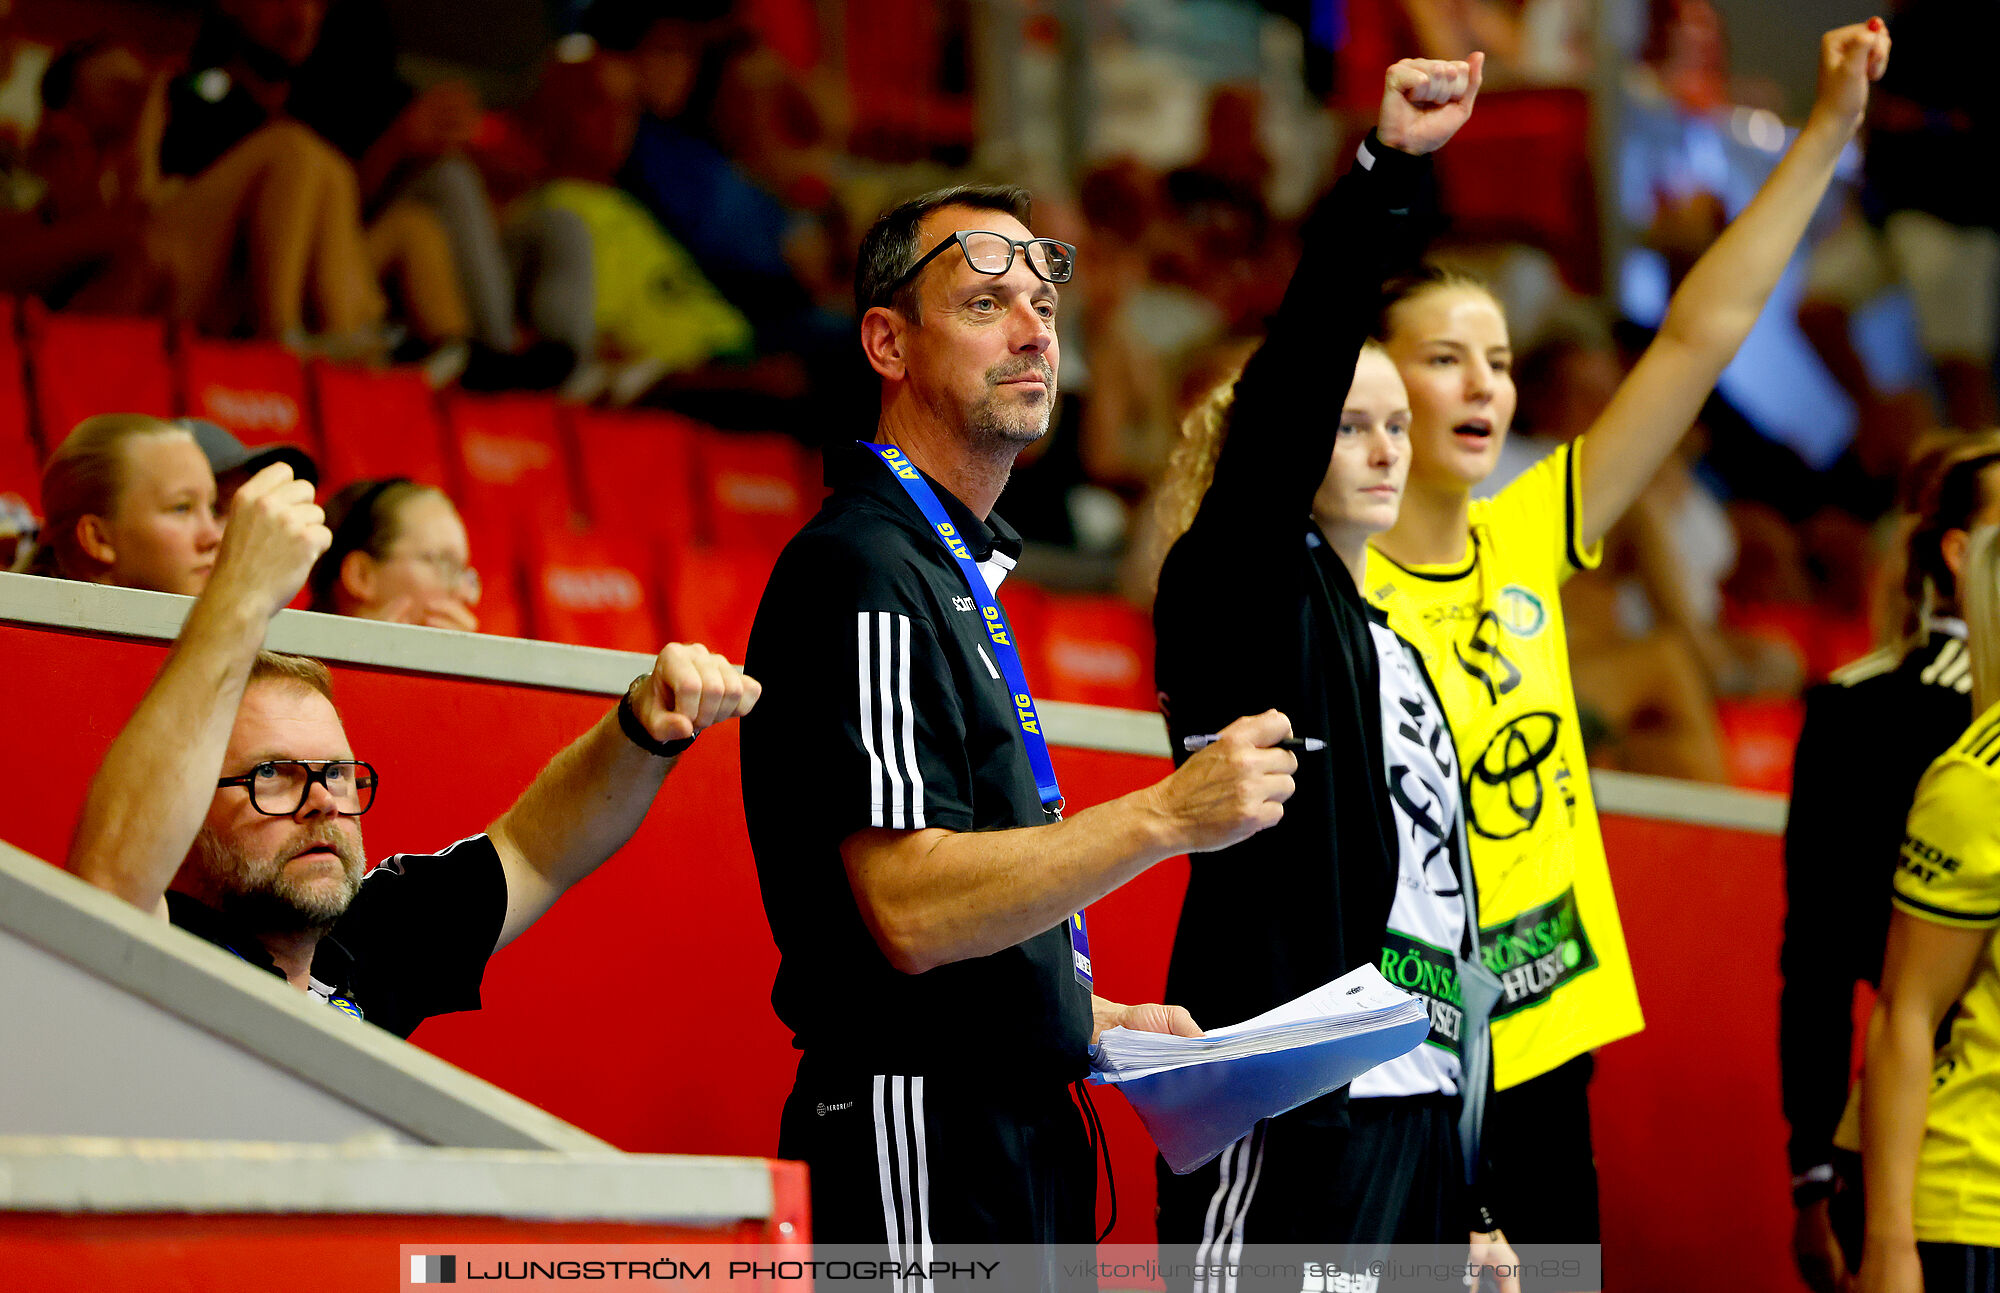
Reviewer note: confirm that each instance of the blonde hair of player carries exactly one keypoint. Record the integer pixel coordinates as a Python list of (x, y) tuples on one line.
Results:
[(1982, 614)]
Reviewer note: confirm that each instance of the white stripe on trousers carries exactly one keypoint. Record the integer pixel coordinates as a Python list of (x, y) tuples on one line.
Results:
[(903, 1166), (888, 721), (1222, 1229)]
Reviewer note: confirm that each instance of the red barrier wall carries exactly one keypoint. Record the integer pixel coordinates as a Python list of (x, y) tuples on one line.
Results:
[(639, 1008)]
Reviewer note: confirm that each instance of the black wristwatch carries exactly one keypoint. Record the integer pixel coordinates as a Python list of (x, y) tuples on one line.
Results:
[(636, 733)]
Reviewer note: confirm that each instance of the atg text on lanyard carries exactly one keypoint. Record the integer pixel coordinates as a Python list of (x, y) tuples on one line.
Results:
[(1004, 654)]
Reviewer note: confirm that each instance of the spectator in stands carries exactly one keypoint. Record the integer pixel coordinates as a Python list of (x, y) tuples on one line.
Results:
[(902, 897), (732, 156), (768, 253), (1919, 222), (228, 804), (129, 500), (399, 553), (21, 65), (267, 239), (331, 68), (1905, 704), (653, 304)]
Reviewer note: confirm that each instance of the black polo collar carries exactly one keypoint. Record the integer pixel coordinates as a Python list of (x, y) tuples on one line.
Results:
[(332, 974), (992, 541)]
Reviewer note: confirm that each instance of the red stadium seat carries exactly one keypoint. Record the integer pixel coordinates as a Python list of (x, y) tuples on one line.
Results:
[(1094, 650), (378, 423), (590, 588), (85, 364), (496, 555), (638, 472), (509, 460), (1761, 735), (712, 596), (755, 490), (256, 390), (1836, 640)]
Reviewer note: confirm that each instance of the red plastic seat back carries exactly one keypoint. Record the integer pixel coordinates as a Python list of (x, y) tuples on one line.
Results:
[(712, 596), (1761, 736), (378, 423), (496, 555), (593, 589), (755, 490), (85, 364), (256, 390), (1094, 650), (639, 474), (508, 461)]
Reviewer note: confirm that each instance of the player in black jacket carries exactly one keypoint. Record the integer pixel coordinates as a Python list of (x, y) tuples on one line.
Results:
[(1370, 857), (1870, 732)]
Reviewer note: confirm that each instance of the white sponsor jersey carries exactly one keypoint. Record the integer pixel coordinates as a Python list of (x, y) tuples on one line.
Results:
[(1427, 919)]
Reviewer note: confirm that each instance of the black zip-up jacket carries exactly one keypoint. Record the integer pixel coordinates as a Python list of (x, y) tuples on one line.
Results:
[(1250, 617), (1870, 732)]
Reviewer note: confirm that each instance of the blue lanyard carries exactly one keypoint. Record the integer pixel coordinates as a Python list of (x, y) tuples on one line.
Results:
[(992, 617), (1004, 654)]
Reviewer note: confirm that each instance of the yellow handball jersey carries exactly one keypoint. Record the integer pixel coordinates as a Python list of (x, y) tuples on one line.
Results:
[(1949, 873), (1491, 631)]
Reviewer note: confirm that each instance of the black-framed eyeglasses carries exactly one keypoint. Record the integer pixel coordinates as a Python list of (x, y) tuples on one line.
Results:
[(993, 253), (278, 787)]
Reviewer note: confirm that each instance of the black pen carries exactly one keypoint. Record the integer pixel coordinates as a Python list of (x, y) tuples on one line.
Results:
[(1310, 744)]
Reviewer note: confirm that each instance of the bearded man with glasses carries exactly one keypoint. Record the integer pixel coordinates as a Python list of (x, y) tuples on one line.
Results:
[(231, 802)]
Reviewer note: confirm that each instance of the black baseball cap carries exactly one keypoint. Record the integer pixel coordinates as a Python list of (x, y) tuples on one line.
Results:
[(225, 453)]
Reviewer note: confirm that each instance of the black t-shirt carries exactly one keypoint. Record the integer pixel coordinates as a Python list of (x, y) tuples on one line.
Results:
[(1870, 733), (347, 91), (883, 707), (1251, 616), (413, 943)]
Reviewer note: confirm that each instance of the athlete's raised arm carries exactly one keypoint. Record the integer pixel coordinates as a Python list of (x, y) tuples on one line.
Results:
[(1725, 291)]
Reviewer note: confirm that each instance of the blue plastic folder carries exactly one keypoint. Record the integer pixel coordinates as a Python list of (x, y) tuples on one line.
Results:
[(1195, 1109)]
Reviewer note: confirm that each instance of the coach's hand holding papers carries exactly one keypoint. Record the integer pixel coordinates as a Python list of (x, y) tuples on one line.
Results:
[(1198, 1095)]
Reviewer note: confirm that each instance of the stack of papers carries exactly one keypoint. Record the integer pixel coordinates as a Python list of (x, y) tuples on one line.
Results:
[(1199, 1095)]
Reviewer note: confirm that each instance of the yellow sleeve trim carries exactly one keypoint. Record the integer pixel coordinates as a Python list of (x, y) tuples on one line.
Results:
[(1580, 557), (1940, 916)]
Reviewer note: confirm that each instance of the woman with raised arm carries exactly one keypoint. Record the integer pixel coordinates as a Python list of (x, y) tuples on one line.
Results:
[(1476, 585), (1930, 1141), (1259, 605)]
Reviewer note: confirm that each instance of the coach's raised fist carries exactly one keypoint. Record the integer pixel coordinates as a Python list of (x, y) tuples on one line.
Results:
[(275, 533), (1426, 100), (690, 689), (1232, 789)]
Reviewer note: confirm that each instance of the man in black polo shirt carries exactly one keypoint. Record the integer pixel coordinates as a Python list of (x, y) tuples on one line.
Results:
[(234, 784), (918, 880)]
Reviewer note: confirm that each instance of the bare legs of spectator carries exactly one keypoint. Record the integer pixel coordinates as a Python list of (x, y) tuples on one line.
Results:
[(407, 244), (290, 200), (451, 187), (548, 250), (1651, 695)]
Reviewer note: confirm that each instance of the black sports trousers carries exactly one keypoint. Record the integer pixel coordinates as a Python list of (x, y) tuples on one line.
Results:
[(900, 1163), (1544, 1165), (1305, 1188), (1959, 1268)]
